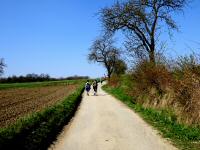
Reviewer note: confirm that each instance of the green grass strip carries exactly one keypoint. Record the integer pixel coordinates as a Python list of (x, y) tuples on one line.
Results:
[(37, 131), (184, 137)]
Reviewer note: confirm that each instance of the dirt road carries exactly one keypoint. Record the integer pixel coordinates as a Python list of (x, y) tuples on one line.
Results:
[(104, 123)]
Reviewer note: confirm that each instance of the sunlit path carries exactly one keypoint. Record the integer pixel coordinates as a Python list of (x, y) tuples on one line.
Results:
[(104, 123)]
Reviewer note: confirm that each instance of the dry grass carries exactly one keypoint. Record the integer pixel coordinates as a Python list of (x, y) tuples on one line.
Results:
[(177, 90), (151, 82), (114, 80), (186, 96)]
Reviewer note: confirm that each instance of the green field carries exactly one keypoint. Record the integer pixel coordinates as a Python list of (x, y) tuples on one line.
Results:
[(36, 84)]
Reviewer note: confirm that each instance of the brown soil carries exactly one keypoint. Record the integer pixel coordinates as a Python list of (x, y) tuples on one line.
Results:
[(19, 102)]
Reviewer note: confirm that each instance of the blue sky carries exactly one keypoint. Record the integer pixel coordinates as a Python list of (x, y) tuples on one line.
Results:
[(53, 36)]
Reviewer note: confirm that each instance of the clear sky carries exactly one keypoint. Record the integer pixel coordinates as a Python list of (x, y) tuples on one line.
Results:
[(53, 36)]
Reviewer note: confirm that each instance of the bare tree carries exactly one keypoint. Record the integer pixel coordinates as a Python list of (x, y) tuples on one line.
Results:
[(2, 65), (142, 20), (103, 51)]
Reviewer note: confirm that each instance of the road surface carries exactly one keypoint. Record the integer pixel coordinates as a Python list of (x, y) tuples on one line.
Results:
[(104, 123)]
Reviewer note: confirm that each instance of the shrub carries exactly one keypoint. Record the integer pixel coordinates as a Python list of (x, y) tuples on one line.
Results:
[(114, 80), (151, 80), (186, 88), (186, 63), (186, 94)]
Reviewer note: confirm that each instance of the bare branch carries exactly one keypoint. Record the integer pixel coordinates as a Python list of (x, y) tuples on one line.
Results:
[(103, 51), (141, 18)]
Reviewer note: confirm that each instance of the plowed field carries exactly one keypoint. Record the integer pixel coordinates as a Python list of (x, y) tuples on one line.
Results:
[(19, 102)]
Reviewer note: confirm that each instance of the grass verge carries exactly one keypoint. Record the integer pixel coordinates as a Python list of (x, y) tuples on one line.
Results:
[(183, 137), (39, 130)]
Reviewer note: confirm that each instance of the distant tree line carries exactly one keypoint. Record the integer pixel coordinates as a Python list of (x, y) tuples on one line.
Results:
[(28, 78), (37, 78), (32, 77), (76, 77)]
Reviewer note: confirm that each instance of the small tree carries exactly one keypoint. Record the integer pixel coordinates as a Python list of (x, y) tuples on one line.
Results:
[(103, 51), (2, 65), (142, 21)]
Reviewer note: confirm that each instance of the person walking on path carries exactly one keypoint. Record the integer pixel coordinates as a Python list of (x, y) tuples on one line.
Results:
[(101, 81), (87, 87), (95, 86)]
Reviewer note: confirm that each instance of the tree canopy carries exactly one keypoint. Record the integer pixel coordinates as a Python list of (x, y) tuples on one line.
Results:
[(141, 20), (103, 51)]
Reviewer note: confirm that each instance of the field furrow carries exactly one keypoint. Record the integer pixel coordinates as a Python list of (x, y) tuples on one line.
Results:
[(19, 102)]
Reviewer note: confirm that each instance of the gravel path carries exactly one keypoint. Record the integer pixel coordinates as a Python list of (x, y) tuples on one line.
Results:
[(104, 123)]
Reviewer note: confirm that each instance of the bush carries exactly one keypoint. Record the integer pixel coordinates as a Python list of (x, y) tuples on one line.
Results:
[(114, 80), (151, 80), (186, 63), (186, 88), (186, 94)]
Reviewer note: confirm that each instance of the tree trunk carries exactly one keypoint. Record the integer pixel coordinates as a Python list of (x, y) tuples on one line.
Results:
[(109, 76), (108, 72), (152, 53), (152, 57)]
